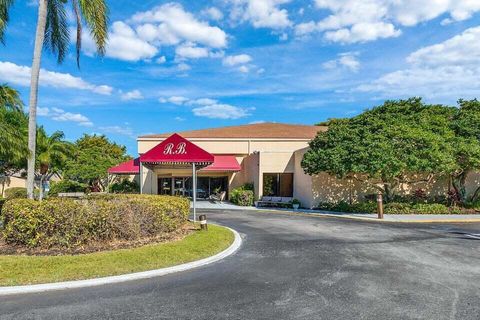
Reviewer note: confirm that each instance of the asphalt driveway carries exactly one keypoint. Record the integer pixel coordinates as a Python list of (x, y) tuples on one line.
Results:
[(293, 267)]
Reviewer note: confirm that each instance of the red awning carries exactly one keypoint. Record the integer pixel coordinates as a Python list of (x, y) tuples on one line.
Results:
[(176, 149), (223, 163), (129, 167)]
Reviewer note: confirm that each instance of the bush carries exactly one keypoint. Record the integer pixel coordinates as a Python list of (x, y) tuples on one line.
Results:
[(343, 206), (125, 186), (69, 223), (64, 186), (242, 197), (16, 193)]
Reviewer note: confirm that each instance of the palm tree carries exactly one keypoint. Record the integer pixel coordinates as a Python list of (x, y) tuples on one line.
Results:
[(52, 154), (53, 33), (10, 98)]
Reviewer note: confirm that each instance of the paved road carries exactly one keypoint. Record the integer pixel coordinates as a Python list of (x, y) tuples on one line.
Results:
[(292, 267)]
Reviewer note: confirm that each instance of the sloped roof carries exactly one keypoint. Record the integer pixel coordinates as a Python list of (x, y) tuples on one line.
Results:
[(253, 131)]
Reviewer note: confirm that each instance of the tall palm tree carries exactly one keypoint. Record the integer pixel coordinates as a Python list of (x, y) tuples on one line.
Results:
[(52, 154), (53, 33)]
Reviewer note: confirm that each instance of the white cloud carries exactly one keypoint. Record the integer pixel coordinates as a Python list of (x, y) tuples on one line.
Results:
[(132, 95), (174, 99), (243, 69), (203, 101), (361, 20), (236, 60), (20, 75), (448, 69), (57, 114), (257, 122), (123, 43), (170, 24), (213, 13), (179, 119), (161, 60), (124, 131), (183, 67), (221, 111), (347, 60), (189, 51), (261, 14)]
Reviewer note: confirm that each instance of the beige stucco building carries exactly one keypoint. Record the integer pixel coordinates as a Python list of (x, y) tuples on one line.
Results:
[(268, 155)]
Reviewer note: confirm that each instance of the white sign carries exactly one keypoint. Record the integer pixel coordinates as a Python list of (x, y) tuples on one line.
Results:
[(175, 149)]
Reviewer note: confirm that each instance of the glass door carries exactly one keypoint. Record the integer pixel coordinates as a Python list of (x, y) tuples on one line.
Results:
[(165, 186), (178, 187)]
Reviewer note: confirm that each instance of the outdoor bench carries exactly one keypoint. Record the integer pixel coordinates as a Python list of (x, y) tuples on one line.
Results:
[(274, 202)]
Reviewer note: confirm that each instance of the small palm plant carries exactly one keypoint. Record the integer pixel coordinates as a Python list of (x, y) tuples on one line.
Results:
[(53, 33), (52, 154)]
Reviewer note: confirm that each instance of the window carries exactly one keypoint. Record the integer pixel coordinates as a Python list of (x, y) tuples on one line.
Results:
[(278, 184)]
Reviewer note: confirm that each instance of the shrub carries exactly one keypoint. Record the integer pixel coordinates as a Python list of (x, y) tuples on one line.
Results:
[(68, 223), (125, 186), (343, 206), (67, 186), (16, 193), (242, 197)]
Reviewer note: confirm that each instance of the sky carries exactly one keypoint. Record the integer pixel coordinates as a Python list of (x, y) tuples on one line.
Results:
[(181, 65)]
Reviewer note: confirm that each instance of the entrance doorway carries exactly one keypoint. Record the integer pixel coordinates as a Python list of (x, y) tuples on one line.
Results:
[(182, 186)]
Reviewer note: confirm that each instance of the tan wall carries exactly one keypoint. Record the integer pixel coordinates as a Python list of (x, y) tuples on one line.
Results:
[(13, 182), (234, 146)]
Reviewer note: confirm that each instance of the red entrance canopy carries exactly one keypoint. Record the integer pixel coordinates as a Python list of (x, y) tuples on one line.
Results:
[(176, 149), (128, 167), (223, 163)]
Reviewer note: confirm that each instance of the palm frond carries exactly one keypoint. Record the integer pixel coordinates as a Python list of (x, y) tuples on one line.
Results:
[(95, 14), (57, 33), (4, 7), (10, 98)]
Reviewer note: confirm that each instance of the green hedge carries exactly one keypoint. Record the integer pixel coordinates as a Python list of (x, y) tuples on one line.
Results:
[(243, 196), (68, 223), (16, 193), (393, 208), (64, 186)]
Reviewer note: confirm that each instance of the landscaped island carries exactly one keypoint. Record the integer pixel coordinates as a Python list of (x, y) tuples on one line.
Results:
[(65, 239)]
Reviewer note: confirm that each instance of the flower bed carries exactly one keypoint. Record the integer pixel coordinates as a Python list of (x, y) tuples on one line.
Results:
[(72, 224)]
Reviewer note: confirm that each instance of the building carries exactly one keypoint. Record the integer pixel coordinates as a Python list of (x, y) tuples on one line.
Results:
[(267, 155)]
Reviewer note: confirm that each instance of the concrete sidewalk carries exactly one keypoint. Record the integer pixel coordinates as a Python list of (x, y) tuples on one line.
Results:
[(209, 205)]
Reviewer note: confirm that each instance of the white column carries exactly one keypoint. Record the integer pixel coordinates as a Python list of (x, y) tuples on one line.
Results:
[(194, 191)]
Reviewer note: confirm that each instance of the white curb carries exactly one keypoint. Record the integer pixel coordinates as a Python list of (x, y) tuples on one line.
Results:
[(125, 277)]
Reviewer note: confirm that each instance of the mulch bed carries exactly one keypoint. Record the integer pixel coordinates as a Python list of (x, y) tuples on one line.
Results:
[(96, 246)]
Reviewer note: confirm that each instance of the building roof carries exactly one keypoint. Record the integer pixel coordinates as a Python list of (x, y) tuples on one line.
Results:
[(253, 131)]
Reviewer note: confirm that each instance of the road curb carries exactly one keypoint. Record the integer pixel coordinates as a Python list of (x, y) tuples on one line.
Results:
[(237, 242), (328, 215)]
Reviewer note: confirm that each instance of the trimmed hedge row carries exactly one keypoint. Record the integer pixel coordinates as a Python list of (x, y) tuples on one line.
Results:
[(394, 208), (69, 223)]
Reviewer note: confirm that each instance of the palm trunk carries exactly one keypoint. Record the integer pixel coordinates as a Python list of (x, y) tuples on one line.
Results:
[(40, 194), (32, 120)]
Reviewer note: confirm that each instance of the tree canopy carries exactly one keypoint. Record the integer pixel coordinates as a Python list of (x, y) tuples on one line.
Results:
[(402, 141), (95, 154)]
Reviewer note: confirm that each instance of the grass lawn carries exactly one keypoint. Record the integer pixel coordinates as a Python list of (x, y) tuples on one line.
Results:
[(20, 269)]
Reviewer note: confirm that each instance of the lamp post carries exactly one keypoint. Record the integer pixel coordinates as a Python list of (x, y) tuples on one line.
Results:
[(194, 191)]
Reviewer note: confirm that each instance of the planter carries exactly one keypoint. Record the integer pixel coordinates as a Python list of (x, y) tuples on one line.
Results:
[(295, 206)]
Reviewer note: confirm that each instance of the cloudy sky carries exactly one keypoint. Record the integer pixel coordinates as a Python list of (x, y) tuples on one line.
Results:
[(173, 66)]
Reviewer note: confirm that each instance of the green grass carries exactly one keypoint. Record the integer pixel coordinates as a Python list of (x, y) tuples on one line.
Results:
[(21, 269)]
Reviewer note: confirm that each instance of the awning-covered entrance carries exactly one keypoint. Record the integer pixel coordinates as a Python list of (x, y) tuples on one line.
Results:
[(128, 167), (223, 163), (176, 150)]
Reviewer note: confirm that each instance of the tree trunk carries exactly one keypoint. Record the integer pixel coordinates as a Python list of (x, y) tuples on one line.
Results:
[(32, 120), (458, 183)]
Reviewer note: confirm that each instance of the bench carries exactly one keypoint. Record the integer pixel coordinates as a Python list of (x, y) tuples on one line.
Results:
[(267, 201)]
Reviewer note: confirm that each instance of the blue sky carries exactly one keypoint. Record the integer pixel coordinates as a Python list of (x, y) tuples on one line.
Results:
[(179, 65)]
